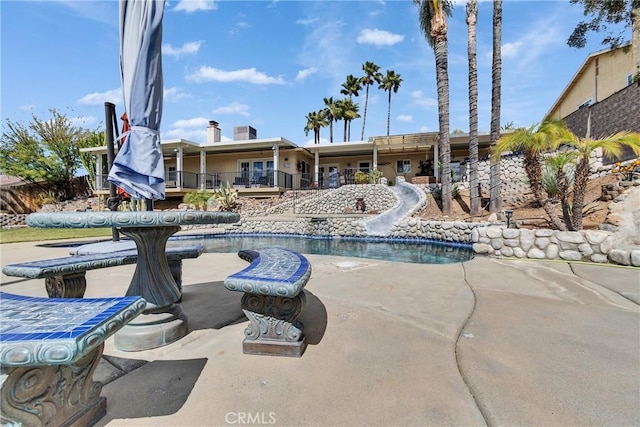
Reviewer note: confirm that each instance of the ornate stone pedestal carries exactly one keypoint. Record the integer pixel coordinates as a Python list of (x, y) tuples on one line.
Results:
[(273, 328), (63, 395)]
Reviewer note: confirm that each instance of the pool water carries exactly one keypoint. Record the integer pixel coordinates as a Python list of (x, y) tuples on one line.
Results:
[(419, 251)]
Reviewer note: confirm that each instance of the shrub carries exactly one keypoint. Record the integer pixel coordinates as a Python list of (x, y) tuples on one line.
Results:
[(226, 198), (198, 199), (361, 177)]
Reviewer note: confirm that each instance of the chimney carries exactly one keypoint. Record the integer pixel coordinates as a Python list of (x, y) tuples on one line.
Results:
[(243, 133), (213, 132)]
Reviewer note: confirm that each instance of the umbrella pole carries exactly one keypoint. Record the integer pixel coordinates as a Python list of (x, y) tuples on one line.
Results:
[(113, 202)]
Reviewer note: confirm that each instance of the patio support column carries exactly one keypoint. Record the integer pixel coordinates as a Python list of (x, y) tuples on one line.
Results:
[(436, 166), (316, 167), (203, 169), (179, 156), (98, 176), (276, 157), (375, 157)]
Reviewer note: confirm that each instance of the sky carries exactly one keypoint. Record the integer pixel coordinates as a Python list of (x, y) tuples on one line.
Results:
[(267, 64)]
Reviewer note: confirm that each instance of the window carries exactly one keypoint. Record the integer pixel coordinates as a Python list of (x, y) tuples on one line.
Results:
[(403, 166), (364, 166), (629, 79)]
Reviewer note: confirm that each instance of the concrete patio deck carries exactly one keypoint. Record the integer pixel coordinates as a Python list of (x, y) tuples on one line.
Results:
[(486, 342)]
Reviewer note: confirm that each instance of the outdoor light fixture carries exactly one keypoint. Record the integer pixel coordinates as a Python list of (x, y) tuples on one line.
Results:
[(508, 213)]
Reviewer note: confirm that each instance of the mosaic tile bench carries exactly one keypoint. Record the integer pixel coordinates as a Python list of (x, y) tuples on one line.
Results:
[(65, 277), (273, 300), (49, 349)]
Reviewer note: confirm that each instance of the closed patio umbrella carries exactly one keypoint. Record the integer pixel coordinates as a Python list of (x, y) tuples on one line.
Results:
[(139, 168)]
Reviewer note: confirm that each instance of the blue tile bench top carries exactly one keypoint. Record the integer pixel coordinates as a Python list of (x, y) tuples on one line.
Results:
[(79, 263), (128, 219), (273, 271), (42, 331)]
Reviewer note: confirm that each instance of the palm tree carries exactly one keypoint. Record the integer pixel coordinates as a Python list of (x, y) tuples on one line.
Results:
[(390, 82), (433, 22), (351, 87), (534, 141), (347, 110), (495, 205), (472, 18), (371, 76), (330, 113), (611, 146), (315, 121)]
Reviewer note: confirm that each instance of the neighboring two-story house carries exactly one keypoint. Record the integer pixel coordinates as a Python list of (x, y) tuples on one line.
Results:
[(604, 94)]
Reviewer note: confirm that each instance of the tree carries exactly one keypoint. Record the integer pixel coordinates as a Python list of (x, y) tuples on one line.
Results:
[(331, 110), (611, 146), (495, 203), (351, 87), (433, 22), (604, 16), (534, 141), (390, 83), (347, 110), (315, 121), (474, 194), (371, 76), (44, 151)]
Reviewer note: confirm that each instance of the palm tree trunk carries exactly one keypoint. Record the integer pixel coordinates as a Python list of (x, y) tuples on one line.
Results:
[(534, 172), (364, 116), (563, 189), (495, 204), (579, 187), (389, 117), (442, 80), (472, 16), (346, 122), (331, 130)]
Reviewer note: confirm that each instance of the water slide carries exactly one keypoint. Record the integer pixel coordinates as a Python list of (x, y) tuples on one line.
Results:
[(410, 198)]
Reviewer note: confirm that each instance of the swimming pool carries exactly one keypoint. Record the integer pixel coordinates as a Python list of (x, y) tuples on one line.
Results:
[(419, 251)]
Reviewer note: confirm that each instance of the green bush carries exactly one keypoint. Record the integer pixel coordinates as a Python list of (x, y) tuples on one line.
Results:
[(198, 199), (361, 177)]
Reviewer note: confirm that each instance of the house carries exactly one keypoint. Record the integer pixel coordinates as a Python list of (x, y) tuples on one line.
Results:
[(266, 167), (604, 94)]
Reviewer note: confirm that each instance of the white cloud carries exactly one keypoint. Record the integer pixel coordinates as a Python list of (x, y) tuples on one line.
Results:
[(196, 122), (249, 75), (303, 74), (378, 37), (511, 50), (99, 98), (405, 118), (188, 48), (239, 27), (27, 107), (233, 108), (534, 44), (190, 6), (306, 21), (194, 129), (419, 98), (83, 121), (173, 94), (424, 129)]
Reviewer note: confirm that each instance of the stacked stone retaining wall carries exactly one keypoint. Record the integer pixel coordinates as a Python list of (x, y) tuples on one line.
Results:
[(377, 197), (585, 245)]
